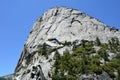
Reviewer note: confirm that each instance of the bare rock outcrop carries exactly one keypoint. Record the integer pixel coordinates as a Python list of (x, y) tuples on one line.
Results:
[(53, 28)]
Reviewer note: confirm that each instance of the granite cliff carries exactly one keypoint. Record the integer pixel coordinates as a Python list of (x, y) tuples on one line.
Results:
[(61, 30)]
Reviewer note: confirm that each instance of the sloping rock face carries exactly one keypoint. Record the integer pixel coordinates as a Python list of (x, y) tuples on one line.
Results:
[(53, 28), (7, 77)]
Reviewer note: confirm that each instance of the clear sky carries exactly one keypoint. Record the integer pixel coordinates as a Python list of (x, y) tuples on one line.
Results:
[(18, 16)]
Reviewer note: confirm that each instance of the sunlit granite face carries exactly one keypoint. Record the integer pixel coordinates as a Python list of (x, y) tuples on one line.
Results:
[(53, 28)]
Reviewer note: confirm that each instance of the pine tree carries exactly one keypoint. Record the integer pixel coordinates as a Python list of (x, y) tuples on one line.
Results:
[(57, 55), (83, 43), (118, 76), (44, 49), (98, 41)]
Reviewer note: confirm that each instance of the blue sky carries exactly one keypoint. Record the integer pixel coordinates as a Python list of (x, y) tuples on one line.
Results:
[(18, 16)]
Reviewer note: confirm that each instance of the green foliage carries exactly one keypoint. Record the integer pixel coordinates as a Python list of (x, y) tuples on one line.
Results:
[(118, 76), (105, 46), (40, 19), (85, 49), (57, 55), (65, 64), (96, 60), (114, 44), (77, 62), (45, 51), (69, 77), (54, 49), (56, 77), (113, 66), (102, 52), (82, 60), (67, 43), (95, 69), (114, 63), (28, 59), (83, 43), (110, 70), (98, 43)]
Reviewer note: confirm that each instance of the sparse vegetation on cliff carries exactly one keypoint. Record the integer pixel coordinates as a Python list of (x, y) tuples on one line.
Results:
[(86, 60)]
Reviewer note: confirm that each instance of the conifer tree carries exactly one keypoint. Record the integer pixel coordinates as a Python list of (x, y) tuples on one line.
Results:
[(98, 41)]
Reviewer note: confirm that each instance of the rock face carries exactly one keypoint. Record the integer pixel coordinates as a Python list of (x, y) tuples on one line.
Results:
[(54, 27), (7, 77)]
